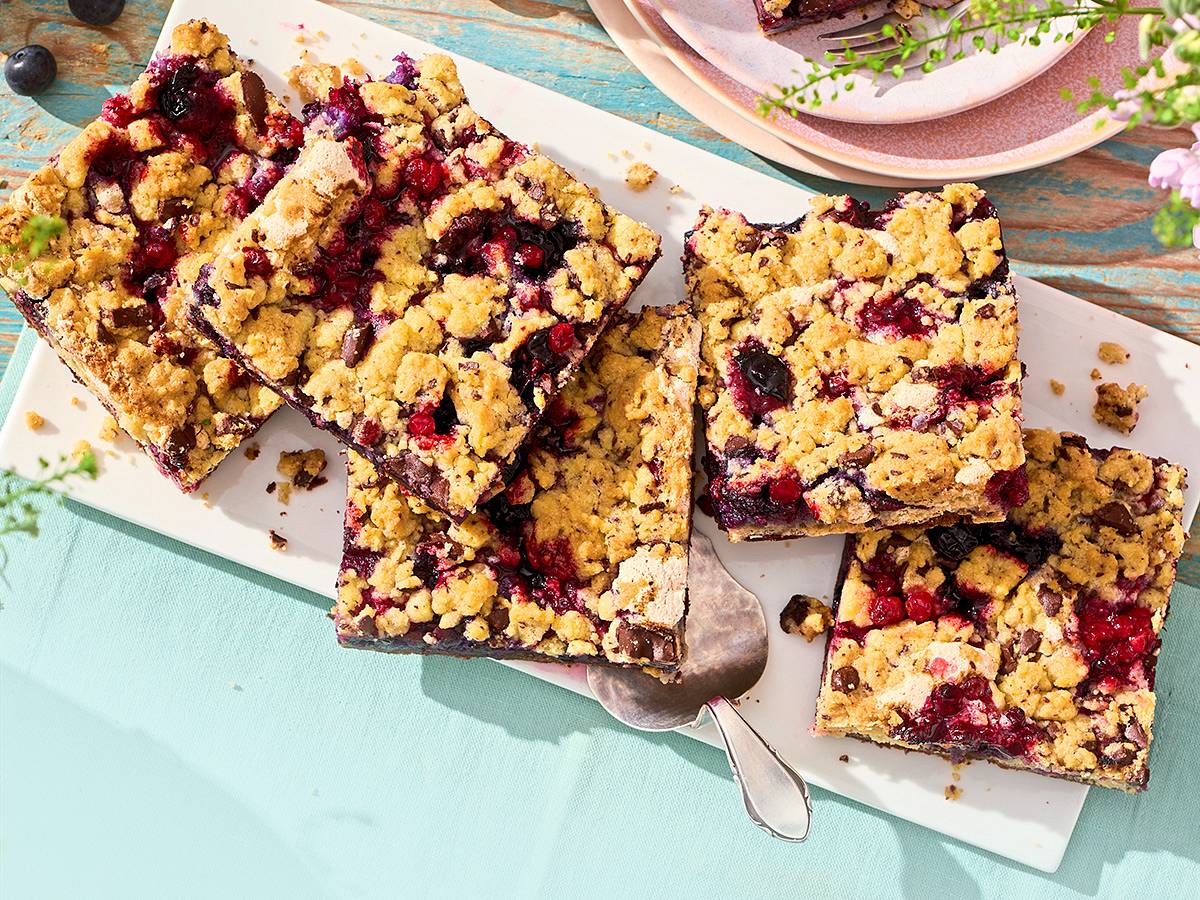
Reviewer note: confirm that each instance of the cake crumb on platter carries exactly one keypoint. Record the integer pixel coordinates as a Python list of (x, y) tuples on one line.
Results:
[(109, 429), (34, 420), (805, 616), (77, 403), (302, 468), (1116, 406), (1096, 375), (1057, 387), (251, 452), (953, 792), (1112, 353), (278, 541), (640, 176), (844, 758)]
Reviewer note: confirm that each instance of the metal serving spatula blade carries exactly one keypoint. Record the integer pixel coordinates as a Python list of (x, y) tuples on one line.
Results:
[(726, 636)]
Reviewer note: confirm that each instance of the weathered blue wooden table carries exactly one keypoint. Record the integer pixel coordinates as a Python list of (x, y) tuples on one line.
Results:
[(1082, 224)]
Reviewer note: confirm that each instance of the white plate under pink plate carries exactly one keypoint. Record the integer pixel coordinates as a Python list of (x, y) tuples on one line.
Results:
[(1018, 815), (1029, 127), (726, 33)]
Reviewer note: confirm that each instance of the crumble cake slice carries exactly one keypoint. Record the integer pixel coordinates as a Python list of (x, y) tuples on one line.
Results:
[(419, 284), (145, 190), (775, 16), (583, 558), (1032, 642), (859, 367)]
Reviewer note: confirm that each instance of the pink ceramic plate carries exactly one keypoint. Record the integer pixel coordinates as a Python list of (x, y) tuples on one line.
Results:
[(649, 56), (1029, 127), (726, 33)]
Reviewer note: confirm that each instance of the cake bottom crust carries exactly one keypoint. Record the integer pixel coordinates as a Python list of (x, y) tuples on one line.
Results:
[(1132, 785), (902, 518)]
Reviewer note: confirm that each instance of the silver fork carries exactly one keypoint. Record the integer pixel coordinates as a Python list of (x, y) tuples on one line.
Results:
[(869, 36)]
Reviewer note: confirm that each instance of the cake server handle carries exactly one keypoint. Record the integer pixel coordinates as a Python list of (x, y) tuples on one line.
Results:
[(775, 795)]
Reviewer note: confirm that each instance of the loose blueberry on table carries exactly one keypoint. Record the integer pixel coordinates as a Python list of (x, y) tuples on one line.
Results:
[(1030, 642), (583, 558), (30, 70), (445, 285), (860, 366), (146, 190)]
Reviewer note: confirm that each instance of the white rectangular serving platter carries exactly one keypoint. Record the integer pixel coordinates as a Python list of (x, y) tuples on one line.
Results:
[(1021, 816)]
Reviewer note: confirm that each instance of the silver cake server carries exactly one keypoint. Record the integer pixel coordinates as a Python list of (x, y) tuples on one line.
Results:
[(726, 636)]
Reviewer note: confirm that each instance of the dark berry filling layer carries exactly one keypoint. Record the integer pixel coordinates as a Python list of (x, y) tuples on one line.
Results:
[(963, 719)]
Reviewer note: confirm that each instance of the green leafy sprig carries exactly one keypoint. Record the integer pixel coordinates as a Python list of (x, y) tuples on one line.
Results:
[(22, 500), (36, 236)]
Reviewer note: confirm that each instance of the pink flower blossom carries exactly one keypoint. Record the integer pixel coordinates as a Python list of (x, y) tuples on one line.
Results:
[(1179, 170)]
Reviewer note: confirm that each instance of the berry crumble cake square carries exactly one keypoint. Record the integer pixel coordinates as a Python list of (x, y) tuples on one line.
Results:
[(145, 190), (859, 367), (419, 284), (583, 558), (775, 16), (1031, 642)]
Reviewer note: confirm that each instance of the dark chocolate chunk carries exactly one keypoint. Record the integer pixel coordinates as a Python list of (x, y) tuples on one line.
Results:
[(1051, 601), (254, 94), (1116, 516), (357, 339), (1136, 733), (845, 680), (1118, 754), (857, 457), (181, 440), (498, 619), (129, 317), (225, 423), (1031, 638), (645, 643)]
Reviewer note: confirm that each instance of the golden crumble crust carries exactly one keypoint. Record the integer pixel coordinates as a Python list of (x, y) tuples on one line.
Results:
[(859, 367), (418, 283), (582, 558), (146, 191), (1031, 642)]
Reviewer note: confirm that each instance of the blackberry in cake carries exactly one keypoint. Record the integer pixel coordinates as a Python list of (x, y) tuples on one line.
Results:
[(583, 558), (419, 284), (1031, 642), (146, 190), (859, 367)]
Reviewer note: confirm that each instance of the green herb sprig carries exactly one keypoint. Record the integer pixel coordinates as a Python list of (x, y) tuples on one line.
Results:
[(22, 500)]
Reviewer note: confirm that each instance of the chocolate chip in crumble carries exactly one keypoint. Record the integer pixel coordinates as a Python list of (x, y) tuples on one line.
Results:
[(845, 680), (1116, 516), (987, 311), (637, 642), (179, 443), (1136, 733), (129, 316), (857, 457), (1051, 601), (355, 343), (1118, 754), (254, 95), (498, 619), (1031, 638)]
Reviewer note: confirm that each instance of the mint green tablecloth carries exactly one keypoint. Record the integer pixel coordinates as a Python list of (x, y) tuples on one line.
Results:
[(175, 725)]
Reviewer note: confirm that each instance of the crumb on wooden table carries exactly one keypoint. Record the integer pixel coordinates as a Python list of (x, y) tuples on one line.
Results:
[(1116, 406), (109, 429), (953, 792), (278, 541), (1112, 353), (640, 176), (252, 451), (34, 420), (805, 616), (1096, 375)]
